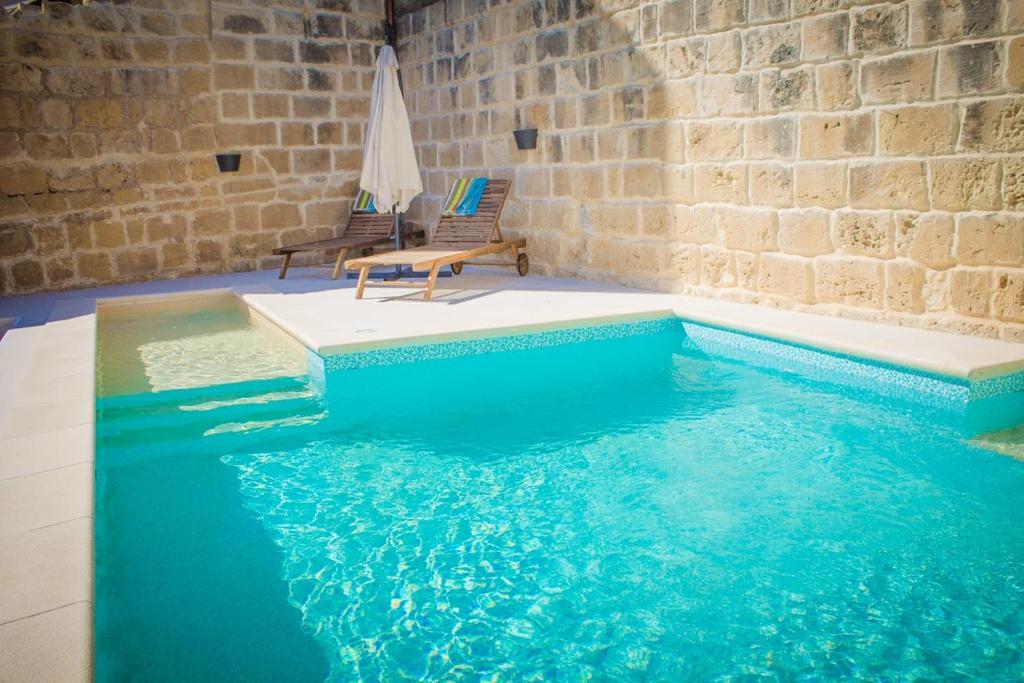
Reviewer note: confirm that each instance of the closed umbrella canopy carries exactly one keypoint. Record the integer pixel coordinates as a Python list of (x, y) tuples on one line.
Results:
[(390, 171)]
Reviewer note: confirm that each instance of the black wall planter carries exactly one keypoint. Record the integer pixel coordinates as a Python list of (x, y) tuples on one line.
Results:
[(229, 163), (526, 138)]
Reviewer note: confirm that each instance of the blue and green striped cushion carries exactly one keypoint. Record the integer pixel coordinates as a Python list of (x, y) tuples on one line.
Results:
[(364, 203), (464, 197)]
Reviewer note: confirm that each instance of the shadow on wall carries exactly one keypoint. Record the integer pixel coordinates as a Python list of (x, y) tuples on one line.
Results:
[(862, 160)]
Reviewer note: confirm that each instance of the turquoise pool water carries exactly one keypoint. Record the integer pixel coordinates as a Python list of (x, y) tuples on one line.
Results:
[(634, 508)]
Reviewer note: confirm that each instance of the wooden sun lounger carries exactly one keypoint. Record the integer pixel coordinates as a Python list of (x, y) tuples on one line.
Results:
[(456, 240), (364, 231)]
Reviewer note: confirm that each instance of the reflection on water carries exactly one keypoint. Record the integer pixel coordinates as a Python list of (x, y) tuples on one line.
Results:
[(630, 509)]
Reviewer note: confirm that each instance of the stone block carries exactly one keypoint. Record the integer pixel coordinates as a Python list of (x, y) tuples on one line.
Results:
[(27, 275), (970, 290), (686, 57), (866, 233), (790, 276), (773, 45), (965, 183), (835, 136), (762, 11), (211, 222), (280, 215), (993, 125), (55, 113), (60, 81), (59, 270), (1015, 63), (94, 267), (851, 281), (805, 232), (787, 90), (47, 146), (684, 263), (904, 287), (26, 78), (720, 183), (140, 261), (235, 77), (752, 230), (160, 24), (728, 95), (900, 78), (717, 267), (918, 130), (174, 256), (970, 69), (1008, 296), (927, 238), (192, 51), (836, 86), (897, 184), (714, 140), (71, 178), (675, 18), (820, 184), (879, 28), (667, 100), (1013, 184), (100, 114), (695, 225), (770, 138), (888, 185), (109, 234), (990, 240), (715, 15), (22, 178), (771, 184), (825, 37), (937, 21), (195, 82)]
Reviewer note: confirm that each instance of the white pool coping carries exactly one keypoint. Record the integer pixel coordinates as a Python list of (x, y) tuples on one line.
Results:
[(47, 401)]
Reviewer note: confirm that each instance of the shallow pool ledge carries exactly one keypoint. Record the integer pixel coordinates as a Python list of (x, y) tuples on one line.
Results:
[(941, 353)]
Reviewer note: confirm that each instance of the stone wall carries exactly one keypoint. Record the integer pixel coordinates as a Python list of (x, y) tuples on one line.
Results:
[(110, 115), (855, 158)]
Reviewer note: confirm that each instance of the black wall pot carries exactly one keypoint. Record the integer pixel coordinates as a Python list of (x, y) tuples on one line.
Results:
[(526, 138), (229, 163)]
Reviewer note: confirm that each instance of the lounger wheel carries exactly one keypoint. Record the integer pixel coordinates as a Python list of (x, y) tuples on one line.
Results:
[(523, 265), (456, 267)]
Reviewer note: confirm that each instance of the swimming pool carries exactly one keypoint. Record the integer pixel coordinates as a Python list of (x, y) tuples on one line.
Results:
[(649, 500)]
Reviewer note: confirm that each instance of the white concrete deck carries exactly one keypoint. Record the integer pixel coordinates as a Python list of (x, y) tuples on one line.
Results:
[(47, 365)]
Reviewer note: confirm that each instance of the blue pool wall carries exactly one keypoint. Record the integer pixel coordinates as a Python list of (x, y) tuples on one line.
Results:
[(976, 406)]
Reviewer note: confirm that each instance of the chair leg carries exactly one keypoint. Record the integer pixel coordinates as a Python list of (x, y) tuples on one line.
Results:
[(337, 264), (361, 285), (284, 266), (429, 291)]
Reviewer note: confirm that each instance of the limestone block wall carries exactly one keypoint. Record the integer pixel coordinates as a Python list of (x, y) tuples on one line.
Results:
[(110, 115), (852, 157)]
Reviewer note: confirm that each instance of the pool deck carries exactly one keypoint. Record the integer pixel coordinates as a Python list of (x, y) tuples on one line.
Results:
[(47, 414)]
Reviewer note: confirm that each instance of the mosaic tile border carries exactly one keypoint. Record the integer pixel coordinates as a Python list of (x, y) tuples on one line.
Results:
[(889, 380), (512, 342), (858, 373)]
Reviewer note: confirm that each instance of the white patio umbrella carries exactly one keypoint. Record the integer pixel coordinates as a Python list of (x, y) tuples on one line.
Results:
[(390, 171)]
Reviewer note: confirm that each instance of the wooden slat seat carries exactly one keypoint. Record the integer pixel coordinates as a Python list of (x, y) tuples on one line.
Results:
[(456, 239), (364, 231)]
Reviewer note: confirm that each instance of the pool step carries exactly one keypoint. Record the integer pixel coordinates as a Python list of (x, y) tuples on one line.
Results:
[(193, 419)]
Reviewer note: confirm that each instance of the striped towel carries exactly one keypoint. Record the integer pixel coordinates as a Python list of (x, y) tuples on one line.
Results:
[(464, 197), (364, 203)]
